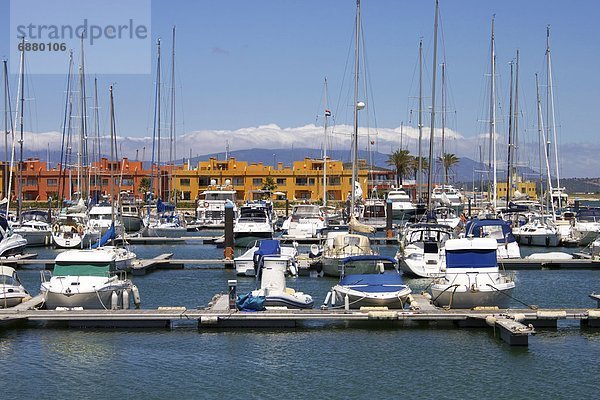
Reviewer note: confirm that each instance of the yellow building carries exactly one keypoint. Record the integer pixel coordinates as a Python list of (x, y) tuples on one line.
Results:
[(302, 181), (525, 188)]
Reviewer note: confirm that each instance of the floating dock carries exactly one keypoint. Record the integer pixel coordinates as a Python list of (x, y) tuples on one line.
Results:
[(514, 326)]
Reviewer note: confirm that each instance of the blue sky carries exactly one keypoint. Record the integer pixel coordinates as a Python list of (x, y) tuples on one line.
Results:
[(243, 64)]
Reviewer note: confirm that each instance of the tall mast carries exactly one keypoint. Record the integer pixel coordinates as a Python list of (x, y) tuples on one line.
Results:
[(20, 175), (327, 114), (97, 132), (510, 138), (172, 154), (66, 123), (553, 126), (444, 126), (493, 116), (112, 156), (82, 152), (420, 166), (432, 130), (158, 123), (7, 118), (356, 108), (544, 142), (155, 130)]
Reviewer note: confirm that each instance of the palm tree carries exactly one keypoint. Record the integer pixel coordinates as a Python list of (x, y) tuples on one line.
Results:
[(402, 161), (415, 165), (448, 160)]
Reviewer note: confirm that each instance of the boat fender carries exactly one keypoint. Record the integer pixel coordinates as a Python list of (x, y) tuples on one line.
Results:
[(380, 267), (327, 299), (136, 296), (519, 317), (114, 300), (55, 228), (80, 229), (293, 269), (490, 320), (332, 298), (346, 303), (125, 299)]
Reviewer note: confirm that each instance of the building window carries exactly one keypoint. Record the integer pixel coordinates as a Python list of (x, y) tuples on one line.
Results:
[(334, 180), (256, 181), (186, 196), (311, 181), (281, 181), (31, 182), (184, 181), (238, 181), (203, 181), (52, 182), (127, 181), (301, 181)]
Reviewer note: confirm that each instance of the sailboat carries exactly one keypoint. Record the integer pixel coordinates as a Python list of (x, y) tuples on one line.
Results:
[(350, 255), (165, 221)]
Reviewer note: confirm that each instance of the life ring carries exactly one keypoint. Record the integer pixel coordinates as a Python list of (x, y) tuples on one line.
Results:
[(206, 204), (55, 228), (80, 229)]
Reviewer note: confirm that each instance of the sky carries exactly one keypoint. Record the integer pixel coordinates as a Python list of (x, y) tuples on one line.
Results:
[(250, 74)]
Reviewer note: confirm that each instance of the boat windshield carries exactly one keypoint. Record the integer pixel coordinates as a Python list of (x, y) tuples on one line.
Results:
[(61, 269), (307, 212), (428, 235), (9, 281), (220, 196)]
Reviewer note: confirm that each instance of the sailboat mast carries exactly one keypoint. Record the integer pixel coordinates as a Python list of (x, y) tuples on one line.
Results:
[(21, 112), (112, 156), (544, 142), (158, 124), (327, 113), (355, 133), (420, 166), (515, 145), (97, 181), (510, 138), (432, 130), (172, 154), (444, 126), (553, 126), (493, 116), (7, 117), (154, 131)]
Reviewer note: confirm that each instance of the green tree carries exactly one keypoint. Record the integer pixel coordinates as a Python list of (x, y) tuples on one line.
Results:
[(415, 165), (269, 184), (448, 160), (402, 162), (144, 186)]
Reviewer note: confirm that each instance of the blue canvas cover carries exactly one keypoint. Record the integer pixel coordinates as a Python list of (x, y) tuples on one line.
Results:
[(247, 302), (477, 228), (110, 234), (471, 258), (374, 283), (162, 207)]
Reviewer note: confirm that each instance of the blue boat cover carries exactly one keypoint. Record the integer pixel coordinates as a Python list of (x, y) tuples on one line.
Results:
[(268, 247), (110, 234), (471, 258), (374, 283), (162, 207), (372, 257), (476, 227), (247, 302)]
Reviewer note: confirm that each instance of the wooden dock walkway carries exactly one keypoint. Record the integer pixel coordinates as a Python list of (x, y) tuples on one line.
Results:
[(514, 325)]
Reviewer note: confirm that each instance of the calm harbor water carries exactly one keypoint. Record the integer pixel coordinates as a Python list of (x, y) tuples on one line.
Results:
[(309, 362)]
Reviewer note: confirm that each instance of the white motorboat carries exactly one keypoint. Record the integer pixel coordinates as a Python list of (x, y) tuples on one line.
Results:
[(273, 286), (101, 218), (539, 231), (306, 221), (88, 279), (446, 215), (448, 195), (349, 253), (587, 226), (472, 277), (10, 243), (402, 208), (210, 212), (12, 291), (166, 222), (249, 262), (421, 251), (499, 230), (371, 290), (374, 214), (34, 227), (252, 224)]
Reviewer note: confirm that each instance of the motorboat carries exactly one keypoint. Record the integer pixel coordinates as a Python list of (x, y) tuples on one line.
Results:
[(421, 252), (448, 195), (350, 253), (370, 290), (34, 226), (102, 217), (253, 223), (586, 228), (472, 277), (374, 213), (306, 221), (12, 291), (446, 215), (273, 285), (248, 263), (10, 243), (538, 231), (129, 213), (88, 279), (499, 230), (402, 207), (210, 212)]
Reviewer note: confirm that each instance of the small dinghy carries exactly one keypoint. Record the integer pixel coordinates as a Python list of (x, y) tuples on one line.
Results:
[(383, 290), (273, 286)]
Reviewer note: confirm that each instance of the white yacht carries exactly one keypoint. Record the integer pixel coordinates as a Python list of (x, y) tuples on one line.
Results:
[(210, 212), (10, 243), (370, 290), (402, 207), (165, 223), (88, 279), (12, 291), (349, 253), (448, 195), (587, 226), (72, 231), (100, 217), (446, 215), (249, 262), (421, 251), (253, 223), (306, 221), (472, 277), (499, 230), (34, 227), (538, 231)]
